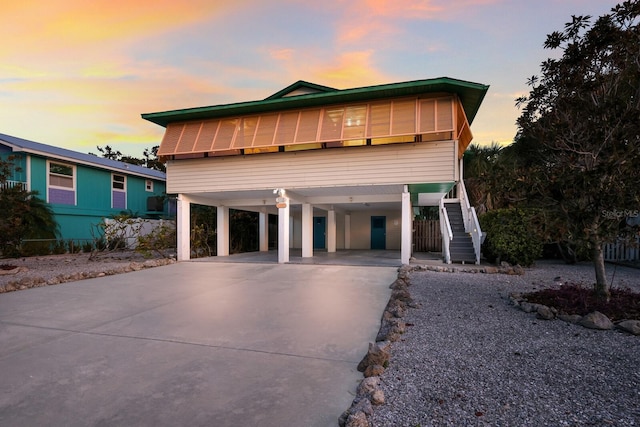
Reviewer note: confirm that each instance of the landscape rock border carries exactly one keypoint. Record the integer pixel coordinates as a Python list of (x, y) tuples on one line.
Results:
[(374, 363), (35, 282), (593, 320), (504, 268)]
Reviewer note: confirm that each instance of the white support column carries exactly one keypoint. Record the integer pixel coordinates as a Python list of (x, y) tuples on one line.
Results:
[(263, 230), (283, 232), (28, 173), (183, 225), (457, 173), (307, 230), (347, 231), (222, 231), (406, 228), (331, 231)]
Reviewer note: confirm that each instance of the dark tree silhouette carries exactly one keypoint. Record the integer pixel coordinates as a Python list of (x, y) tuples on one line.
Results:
[(583, 113), (23, 214)]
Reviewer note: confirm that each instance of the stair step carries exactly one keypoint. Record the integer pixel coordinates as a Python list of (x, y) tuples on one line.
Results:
[(461, 247)]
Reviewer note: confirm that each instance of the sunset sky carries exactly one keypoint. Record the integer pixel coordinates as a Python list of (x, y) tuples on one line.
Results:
[(77, 74)]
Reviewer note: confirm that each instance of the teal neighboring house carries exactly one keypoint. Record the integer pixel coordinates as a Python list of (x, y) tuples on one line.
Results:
[(83, 189)]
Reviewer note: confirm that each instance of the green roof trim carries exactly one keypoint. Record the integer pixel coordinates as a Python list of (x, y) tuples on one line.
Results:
[(470, 94), (436, 187)]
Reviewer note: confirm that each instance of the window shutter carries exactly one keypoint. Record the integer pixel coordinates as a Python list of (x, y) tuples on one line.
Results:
[(403, 119), (171, 137), (427, 116), (286, 128), (246, 131), (354, 122), (332, 124), (224, 138), (265, 130), (308, 126), (379, 123), (445, 114), (207, 135), (188, 138)]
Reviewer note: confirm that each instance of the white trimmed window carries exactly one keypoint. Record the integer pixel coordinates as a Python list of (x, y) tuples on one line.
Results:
[(61, 183), (148, 185), (119, 182), (61, 175), (119, 191)]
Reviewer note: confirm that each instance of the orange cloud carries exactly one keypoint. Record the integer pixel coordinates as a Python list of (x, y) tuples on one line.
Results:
[(85, 112), (352, 68), (35, 26)]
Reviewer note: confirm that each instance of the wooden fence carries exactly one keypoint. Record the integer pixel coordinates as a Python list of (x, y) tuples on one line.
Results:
[(426, 236)]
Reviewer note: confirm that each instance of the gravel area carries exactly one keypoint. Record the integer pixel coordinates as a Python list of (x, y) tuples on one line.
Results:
[(469, 358)]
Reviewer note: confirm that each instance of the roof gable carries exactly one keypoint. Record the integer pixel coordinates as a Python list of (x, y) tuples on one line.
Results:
[(24, 145), (300, 88)]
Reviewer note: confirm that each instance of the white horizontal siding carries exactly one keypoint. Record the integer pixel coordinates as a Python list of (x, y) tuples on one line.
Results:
[(391, 164)]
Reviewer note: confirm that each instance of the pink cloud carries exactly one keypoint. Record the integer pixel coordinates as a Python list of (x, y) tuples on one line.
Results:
[(375, 20)]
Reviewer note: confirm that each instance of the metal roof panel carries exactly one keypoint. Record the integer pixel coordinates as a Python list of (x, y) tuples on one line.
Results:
[(24, 145)]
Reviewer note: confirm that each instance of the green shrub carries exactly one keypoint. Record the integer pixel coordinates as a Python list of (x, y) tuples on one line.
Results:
[(200, 237), (74, 247), (160, 239), (35, 248), (59, 247), (100, 244), (512, 236), (87, 247)]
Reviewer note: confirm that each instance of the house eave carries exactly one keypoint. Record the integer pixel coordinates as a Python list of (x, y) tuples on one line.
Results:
[(470, 94)]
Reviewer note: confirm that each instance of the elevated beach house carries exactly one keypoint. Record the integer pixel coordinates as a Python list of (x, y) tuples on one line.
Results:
[(341, 169), (83, 189)]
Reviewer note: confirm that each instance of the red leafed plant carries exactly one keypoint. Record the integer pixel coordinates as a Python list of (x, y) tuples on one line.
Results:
[(576, 299)]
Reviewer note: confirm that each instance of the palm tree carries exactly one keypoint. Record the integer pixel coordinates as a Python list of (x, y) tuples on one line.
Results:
[(479, 164), (23, 215)]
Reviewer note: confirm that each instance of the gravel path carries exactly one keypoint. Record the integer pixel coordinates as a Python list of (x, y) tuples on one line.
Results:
[(472, 359)]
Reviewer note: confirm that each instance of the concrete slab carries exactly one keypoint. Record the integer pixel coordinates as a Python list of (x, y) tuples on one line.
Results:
[(372, 258), (190, 344)]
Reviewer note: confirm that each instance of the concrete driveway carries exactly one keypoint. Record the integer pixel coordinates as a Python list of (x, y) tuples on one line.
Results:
[(190, 344)]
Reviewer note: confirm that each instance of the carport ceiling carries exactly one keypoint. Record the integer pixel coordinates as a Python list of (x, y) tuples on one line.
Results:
[(354, 198)]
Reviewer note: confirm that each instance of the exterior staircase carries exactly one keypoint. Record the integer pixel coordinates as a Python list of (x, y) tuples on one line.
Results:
[(461, 247)]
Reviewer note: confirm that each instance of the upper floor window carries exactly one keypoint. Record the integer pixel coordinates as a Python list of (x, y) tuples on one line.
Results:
[(148, 185), (119, 191), (119, 182), (61, 183), (61, 175)]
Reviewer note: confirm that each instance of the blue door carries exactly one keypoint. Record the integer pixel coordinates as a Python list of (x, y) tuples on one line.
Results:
[(378, 232), (319, 232)]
